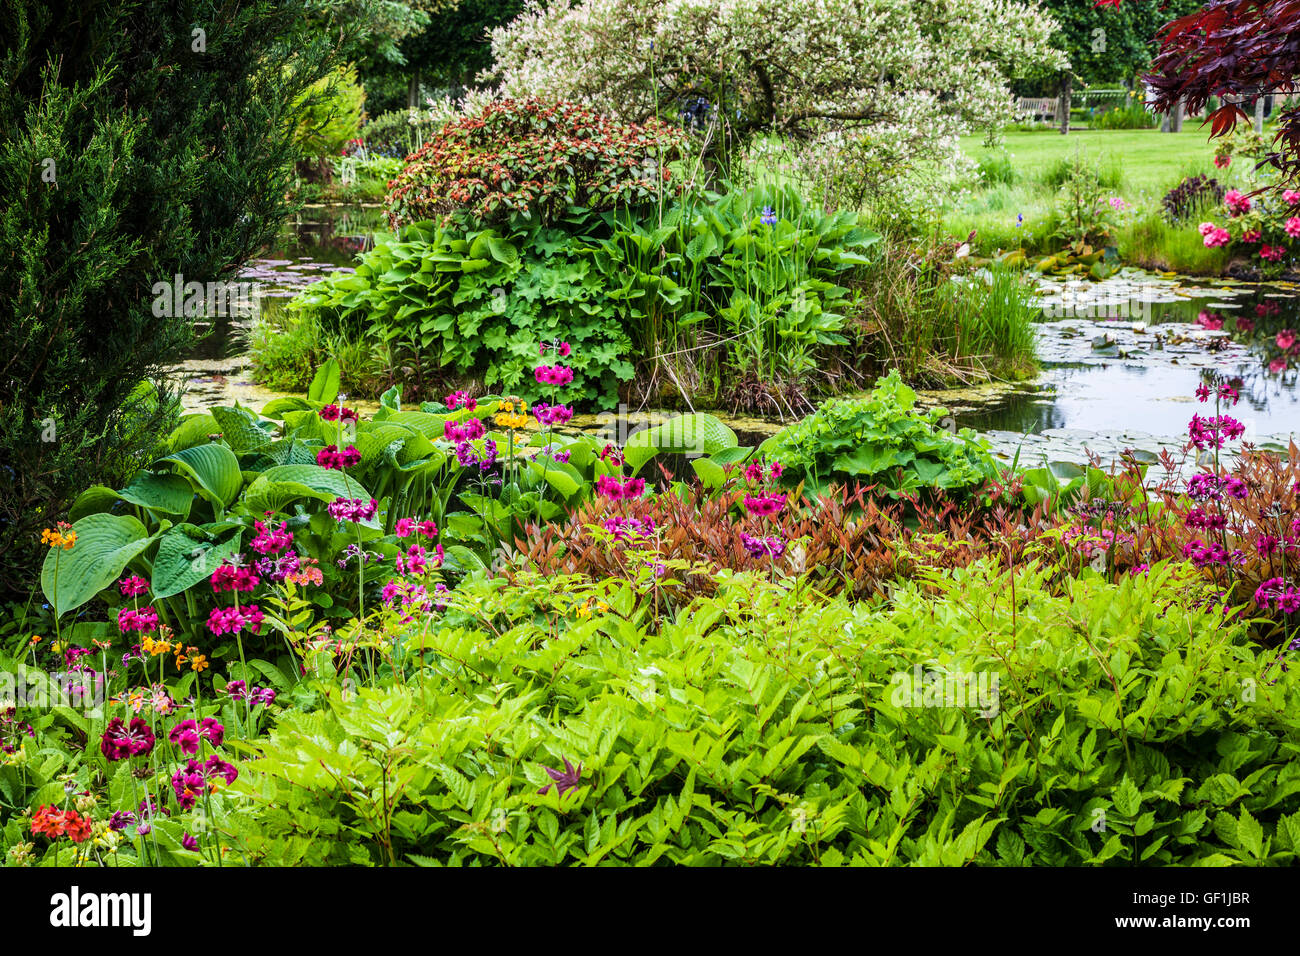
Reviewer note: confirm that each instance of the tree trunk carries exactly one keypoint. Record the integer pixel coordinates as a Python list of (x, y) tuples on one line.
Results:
[(1067, 88), (1259, 115)]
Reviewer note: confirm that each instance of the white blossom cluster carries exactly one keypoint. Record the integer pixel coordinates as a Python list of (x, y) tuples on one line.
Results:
[(907, 75)]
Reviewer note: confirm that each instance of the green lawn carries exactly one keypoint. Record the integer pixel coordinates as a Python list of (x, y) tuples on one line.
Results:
[(1149, 160), (1021, 178)]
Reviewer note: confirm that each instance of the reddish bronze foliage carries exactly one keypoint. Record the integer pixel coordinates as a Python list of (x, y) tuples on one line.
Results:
[(846, 543), (534, 158)]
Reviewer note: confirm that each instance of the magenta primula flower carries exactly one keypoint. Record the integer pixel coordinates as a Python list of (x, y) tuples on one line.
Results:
[(771, 545), (553, 375), (552, 414), (765, 505), (229, 577), (122, 741), (187, 733), (460, 399), (195, 778), (337, 413), (352, 509), (271, 540), (610, 487), (232, 620), (133, 586), (469, 430), (144, 620), (1276, 594), (626, 530), (330, 457)]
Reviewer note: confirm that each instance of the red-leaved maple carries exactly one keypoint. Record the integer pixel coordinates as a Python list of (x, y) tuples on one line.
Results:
[(1235, 48)]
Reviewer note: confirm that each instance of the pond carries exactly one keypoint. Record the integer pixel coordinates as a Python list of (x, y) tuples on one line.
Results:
[(1121, 359)]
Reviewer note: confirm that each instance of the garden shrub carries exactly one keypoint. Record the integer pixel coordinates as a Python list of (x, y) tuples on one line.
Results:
[(128, 158), (554, 723), (451, 301), (535, 159), (882, 440)]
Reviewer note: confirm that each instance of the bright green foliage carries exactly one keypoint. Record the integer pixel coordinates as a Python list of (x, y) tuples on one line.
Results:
[(717, 270), (196, 506), (329, 114), (882, 439), (621, 287), (480, 301), (1107, 724)]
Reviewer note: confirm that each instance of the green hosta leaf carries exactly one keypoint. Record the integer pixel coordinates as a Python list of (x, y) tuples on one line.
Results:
[(278, 487), (698, 433), (325, 385), (193, 430), (95, 499), (213, 470), (167, 493), (187, 554), (239, 429), (562, 478), (105, 545)]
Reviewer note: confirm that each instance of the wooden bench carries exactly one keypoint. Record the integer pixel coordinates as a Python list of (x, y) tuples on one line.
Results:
[(1041, 108)]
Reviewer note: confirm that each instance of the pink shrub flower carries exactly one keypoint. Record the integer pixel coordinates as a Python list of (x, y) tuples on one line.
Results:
[(1237, 202), (1286, 339), (1292, 227), (1291, 197), (1277, 365), (1217, 237), (1252, 236), (1272, 253), (1222, 162)]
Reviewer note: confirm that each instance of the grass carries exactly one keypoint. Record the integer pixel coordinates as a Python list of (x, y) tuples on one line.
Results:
[(1022, 176)]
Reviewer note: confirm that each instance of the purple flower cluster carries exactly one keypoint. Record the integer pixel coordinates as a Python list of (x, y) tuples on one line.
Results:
[(625, 530), (258, 695), (1211, 432), (552, 414), (190, 782), (468, 458), (770, 545), (1210, 487), (1277, 594)]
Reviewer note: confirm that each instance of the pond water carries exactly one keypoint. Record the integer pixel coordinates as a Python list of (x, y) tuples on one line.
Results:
[(1121, 359)]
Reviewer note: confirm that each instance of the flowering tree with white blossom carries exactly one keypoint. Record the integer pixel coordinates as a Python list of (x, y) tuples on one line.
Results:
[(910, 75)]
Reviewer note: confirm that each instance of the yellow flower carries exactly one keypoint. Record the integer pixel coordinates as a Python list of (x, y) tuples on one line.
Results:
[(199, 662), (63, 538), (36, 639)]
